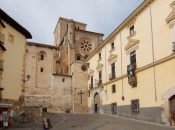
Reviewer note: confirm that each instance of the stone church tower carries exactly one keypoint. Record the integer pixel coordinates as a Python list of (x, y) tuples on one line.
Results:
[(59, 73)]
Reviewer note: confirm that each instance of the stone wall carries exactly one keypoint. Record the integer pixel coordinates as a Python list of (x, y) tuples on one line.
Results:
[(61, 93), (32, 113)]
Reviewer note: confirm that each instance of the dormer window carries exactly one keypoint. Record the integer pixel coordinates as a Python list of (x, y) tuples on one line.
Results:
[(131, 30)]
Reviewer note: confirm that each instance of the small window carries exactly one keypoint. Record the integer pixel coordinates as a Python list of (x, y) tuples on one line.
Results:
[(89, 93), (99, 55), (41, 69), (114, 108), (63, 80), (78, 57), (132, 30), (113, 88), (42, 57), (11, 38), (135, 106), (112, 46)]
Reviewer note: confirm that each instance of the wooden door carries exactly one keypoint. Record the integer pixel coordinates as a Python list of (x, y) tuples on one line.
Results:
[(172, 107)]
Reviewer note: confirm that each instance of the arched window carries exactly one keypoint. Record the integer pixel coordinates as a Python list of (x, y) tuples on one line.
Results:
[(42, 56), (78, 57)]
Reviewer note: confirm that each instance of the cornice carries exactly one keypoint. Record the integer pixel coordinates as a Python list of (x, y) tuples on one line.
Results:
[(91, 71), (171, 16), (131, 17), (131, 43), (99, 66), (111, 57)]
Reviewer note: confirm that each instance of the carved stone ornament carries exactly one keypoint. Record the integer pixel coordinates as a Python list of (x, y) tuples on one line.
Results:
[(111, 57), (171, 16), (99, 66), (86, 46), (131, 43), (91, 71)]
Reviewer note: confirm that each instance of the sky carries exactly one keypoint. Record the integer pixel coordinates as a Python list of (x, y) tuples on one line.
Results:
[(40, 17)]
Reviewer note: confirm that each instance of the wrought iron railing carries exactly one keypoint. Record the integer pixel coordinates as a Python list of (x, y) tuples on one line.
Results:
[(112, 75), (2, 37), (98, 82)]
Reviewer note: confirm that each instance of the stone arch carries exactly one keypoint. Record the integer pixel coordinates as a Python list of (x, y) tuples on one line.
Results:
[(166, 114), (42, 56), (96, 103), (168, 94)]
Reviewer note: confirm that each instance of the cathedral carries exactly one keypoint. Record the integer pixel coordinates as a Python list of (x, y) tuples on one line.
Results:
[(58, 72)]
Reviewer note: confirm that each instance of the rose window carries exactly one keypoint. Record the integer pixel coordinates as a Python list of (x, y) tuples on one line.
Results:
[(86, 46)]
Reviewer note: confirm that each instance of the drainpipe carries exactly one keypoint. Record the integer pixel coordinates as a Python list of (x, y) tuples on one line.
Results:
[(106, 74), (121, 64), (153, 55)]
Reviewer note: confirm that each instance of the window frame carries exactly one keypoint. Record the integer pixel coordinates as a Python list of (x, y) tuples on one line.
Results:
[(113, 88), (135, 110), (114, 108), (41, 69), (133, 58), (131, 30), (12, 36), (112, 45)]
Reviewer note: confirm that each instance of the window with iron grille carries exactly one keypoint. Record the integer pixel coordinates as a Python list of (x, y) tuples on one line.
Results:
[(133, 57), (131, 30), (113, 88), (114, 108), (112, 46), (135, 106)]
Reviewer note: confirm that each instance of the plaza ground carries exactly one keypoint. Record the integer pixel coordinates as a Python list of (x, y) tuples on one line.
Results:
[(63, 121)]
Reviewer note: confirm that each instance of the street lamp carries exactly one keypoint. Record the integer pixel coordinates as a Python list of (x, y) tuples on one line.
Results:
[(28, 77)]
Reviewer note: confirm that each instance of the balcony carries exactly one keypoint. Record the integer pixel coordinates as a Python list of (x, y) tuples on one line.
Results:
[(91, 85), (2, 37), (98, 82), (112, 76), (173, 46)]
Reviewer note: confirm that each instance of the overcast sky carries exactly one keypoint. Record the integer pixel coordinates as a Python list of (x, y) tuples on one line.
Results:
[(39, 17)]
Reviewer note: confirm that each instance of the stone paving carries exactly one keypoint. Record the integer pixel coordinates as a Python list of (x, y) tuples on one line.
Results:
[(54, 119), (104, 122), (66, 121)]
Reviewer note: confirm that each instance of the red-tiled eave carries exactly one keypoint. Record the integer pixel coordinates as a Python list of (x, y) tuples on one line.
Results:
[(5, 17)]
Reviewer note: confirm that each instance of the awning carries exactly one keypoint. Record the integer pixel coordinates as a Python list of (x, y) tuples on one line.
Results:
[(4, 105)]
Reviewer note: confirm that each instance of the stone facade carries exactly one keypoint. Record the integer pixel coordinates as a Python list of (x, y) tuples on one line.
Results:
[(59, 73)]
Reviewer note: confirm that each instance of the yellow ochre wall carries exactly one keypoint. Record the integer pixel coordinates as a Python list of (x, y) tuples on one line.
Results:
[(13, 64), (164, 72)]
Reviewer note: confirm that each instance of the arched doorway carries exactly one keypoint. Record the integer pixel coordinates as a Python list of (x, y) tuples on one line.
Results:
[(172, 107), (96, 103)]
